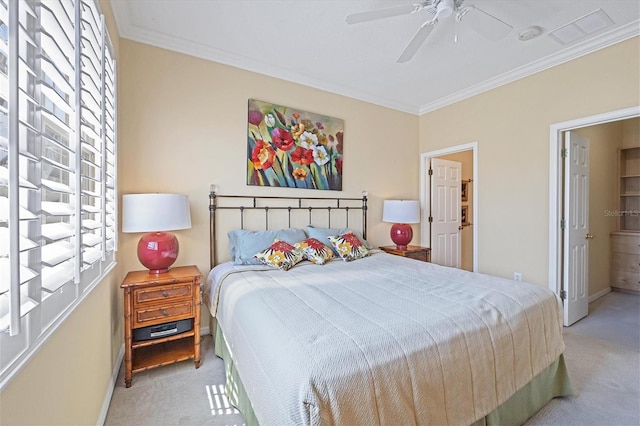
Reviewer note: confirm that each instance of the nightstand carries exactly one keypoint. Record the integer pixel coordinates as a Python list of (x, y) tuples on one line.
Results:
[(412, 252), (156, 309)]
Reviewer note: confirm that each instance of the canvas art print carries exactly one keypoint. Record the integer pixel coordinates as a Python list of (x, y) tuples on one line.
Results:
[(291, 148)]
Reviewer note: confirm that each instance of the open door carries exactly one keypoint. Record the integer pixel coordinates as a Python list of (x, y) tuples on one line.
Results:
[(445, 212), (576, 235)]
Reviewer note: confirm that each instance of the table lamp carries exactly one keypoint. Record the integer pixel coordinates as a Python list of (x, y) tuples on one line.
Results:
[(156, 214), (401, 213)]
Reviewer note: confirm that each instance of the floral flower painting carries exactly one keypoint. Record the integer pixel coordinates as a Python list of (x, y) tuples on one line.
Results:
[(290, 148)]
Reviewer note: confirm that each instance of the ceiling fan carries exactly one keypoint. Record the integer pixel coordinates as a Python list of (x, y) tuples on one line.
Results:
[(486, 24)]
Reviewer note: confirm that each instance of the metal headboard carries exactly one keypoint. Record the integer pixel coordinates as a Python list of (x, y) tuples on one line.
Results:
[(294, 204)]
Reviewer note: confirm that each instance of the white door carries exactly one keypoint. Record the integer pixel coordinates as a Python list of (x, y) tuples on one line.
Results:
[(576, 230), (445, 211)]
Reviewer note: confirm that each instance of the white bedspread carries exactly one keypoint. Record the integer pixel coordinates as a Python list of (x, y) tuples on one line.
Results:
[(383, 340)]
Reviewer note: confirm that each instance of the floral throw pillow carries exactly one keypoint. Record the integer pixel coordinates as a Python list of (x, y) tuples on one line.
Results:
[(315, 251), (281, 255), (349, 246)]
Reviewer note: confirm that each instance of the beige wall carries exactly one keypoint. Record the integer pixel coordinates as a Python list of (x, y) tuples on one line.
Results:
[(183, 124), (466, 235), (67, 380), (631, 133), (65, 383), (511, 125), (604, 141)]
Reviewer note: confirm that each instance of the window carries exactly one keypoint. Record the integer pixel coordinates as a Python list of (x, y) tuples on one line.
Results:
[(57, 167)]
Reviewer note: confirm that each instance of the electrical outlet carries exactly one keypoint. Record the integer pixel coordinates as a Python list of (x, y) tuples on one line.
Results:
[(517, 276)]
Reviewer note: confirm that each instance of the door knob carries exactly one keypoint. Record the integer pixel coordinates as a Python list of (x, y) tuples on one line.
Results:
[(589, 236)]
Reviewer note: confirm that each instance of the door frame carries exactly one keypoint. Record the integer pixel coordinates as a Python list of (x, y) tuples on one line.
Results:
[(424, 189), (555, 182)]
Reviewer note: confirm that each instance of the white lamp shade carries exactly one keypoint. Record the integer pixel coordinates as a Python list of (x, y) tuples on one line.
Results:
[(155, 212), (401, 211)]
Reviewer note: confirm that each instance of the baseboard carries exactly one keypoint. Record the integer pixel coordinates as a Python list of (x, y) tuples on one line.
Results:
[(112, 385), (625, 291), (599, 294)]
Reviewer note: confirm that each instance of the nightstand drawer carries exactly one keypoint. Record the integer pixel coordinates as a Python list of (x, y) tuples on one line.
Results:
[(161, 293), (162, 313), (417, 255)]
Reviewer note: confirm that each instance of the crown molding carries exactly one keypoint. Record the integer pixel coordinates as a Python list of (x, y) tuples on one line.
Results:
[(188, 47), (618, 35)]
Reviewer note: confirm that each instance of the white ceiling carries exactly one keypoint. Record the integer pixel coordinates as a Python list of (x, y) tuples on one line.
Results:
[(309, 42)]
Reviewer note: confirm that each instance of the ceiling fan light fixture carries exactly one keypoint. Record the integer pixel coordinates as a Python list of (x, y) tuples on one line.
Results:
[(445, 8)]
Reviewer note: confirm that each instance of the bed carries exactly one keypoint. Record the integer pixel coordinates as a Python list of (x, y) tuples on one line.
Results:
[(379, 340)]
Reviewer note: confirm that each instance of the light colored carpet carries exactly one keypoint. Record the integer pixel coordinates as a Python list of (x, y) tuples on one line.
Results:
[(177, 394), (602, 354), (603, 359)]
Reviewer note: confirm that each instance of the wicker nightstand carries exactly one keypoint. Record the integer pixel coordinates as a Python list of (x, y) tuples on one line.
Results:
[(161, 300)]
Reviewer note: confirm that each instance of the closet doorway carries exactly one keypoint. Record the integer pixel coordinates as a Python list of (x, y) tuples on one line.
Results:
[(467, 156), (607, 134)]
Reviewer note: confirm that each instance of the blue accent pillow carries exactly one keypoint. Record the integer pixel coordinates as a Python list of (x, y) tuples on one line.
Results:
[(322, 234), (244, 244)]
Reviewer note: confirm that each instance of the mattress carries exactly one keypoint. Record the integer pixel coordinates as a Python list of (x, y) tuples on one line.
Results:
[(381, 339)]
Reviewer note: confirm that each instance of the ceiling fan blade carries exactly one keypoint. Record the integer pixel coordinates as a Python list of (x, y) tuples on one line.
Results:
[(356, 18), (417, 41), (486, 24)]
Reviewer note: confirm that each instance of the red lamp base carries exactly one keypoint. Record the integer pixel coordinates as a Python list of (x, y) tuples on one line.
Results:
[(401, 235), (157, 251)]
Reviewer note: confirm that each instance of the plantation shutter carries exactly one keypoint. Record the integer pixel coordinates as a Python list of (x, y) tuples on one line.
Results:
[(57, 166)]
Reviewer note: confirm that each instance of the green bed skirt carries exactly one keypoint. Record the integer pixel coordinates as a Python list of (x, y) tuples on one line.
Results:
[(551, 383)]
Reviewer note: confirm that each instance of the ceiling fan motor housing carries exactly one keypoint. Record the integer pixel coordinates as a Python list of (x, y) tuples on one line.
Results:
[(437, 9), (445, 8)]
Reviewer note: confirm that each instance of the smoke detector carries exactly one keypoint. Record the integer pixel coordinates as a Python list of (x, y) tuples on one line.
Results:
[(529, 33)]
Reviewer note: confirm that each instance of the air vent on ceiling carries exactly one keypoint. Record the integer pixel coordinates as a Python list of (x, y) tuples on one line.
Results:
[(581, 27)]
